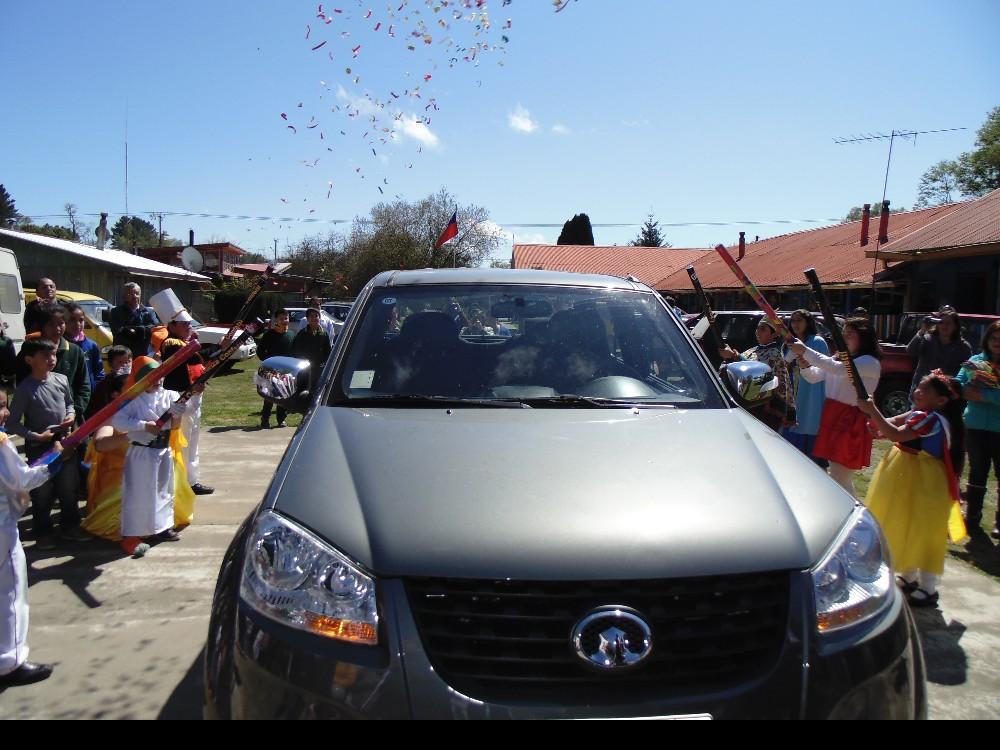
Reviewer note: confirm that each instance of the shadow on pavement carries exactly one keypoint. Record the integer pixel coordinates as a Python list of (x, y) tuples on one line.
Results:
[(79, 567), (187, 699), (980, 552), (234, 428), (947, 663)]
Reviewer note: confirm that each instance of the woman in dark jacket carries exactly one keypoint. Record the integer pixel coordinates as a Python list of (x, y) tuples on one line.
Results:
[(940, 347)]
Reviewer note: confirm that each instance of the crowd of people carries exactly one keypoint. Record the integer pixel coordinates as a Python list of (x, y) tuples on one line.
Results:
[(139, 471), (955, 410)]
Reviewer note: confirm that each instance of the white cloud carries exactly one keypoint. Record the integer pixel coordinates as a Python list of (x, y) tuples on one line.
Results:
[(520, 120), (416, 129), (533, 238), (559, 129)]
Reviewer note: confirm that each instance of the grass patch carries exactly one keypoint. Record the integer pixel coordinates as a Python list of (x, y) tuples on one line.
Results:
[(231, 400)]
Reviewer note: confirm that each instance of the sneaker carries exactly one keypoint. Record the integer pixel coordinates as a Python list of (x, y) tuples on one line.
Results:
[(282, 424), (140, 550), (46, 541), (202, 489), (265, 425), (76, 534), (996, 532)]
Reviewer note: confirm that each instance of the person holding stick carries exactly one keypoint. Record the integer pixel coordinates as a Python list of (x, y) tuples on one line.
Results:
[(768, 351), (844, 439), (16, 480), (915, 487), (809, 397), (148, 481)]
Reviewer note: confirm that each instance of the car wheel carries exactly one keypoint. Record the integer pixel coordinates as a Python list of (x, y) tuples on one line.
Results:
[(895, 400)]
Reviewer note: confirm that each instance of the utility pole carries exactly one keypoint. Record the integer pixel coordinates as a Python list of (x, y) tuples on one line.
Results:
[(276, 250)]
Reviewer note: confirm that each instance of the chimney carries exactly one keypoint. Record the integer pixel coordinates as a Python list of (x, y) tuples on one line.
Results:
[(191, 238), (743, 245), (883, 223), (866, 218)]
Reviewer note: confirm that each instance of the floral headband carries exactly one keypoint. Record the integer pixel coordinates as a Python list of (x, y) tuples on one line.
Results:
[(943, 377)]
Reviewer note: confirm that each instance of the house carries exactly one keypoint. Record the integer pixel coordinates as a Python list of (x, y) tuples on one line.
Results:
[(647, 264), (82, 268), (217, 257)]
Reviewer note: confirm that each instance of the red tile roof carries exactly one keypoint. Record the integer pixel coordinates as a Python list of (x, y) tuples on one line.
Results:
[(835, 252), (647, 264), (975, 222)]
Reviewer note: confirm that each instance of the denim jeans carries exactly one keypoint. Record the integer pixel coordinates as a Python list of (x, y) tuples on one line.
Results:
[(62, 487)]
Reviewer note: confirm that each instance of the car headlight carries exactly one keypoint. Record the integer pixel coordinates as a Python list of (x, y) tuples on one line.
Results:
[(854, 582), (293, 577)]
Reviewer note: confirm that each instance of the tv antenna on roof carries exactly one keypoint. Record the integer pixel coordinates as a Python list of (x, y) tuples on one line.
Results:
[(893, 135)]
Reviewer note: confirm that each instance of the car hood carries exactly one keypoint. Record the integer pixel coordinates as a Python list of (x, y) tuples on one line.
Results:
[(556, 494)]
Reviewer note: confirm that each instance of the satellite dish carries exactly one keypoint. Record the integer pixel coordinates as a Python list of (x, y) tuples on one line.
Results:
[(191, 259)]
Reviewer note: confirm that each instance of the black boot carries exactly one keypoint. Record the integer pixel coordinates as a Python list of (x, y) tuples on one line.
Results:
[(974, 508)]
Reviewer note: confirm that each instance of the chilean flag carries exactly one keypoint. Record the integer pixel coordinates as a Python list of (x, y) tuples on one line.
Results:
[(450, 232)]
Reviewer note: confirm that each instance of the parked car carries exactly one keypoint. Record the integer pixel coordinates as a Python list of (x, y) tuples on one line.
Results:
[(210, 337), (12, 300), (574, 520)]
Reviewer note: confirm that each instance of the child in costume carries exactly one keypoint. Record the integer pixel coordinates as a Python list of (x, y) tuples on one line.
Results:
[(844, 439), (16, 479), (147, 508), (914, 492), (106, 456)]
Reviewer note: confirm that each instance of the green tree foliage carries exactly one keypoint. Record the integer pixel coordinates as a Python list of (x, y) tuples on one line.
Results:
[(8, 211), (131, 232), (972, 174), (857, 212), (49, 230), (396, 235), (577, 231), (650, 235)]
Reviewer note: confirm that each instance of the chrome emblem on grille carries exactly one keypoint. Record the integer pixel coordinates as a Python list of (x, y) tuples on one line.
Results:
[(612, 638)]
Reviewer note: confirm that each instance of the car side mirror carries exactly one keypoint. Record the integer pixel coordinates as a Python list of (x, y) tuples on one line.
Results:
[(105, 314), (750, 383), (284, 381)]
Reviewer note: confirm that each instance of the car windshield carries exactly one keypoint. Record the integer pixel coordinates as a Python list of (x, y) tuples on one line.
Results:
[(92, 308), (528, 346)]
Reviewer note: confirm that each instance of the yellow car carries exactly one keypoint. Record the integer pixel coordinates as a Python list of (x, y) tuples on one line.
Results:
[(94, 329)]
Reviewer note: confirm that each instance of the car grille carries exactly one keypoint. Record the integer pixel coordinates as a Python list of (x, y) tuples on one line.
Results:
[(511, 641)]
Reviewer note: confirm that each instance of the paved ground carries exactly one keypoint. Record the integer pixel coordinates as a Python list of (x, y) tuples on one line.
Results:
[(127, 635)]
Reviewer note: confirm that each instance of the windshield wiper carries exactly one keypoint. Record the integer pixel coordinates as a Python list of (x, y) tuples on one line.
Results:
[(417, 400)]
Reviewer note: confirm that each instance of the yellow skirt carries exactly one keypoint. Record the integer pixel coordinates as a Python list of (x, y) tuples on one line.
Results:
[(911, 498), (104, 490)]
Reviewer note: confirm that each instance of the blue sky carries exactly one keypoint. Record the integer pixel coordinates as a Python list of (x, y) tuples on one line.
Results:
[(698, 112)]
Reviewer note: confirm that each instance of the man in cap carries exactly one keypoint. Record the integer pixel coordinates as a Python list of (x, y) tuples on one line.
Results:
[(178, 326)]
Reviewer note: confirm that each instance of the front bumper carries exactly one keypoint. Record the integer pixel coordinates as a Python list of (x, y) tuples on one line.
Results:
[(876, 671)]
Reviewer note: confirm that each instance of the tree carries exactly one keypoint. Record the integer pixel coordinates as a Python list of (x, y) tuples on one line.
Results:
[(650, 235), (972, 174), (857, 212), (938, 185), (8, 211), (130, 232), (397, 235), (577, 231), (49, 230)]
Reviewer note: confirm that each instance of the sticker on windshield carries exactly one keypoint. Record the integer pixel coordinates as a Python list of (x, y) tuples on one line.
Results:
[(389, 301), (362, 379)]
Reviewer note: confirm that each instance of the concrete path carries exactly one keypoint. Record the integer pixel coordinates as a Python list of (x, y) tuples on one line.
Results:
[(127, 635)]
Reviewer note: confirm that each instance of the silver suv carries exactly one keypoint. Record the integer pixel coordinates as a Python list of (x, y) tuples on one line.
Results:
[(524, 494)]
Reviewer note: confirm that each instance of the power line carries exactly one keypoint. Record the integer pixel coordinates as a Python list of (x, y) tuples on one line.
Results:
[(511, 225)]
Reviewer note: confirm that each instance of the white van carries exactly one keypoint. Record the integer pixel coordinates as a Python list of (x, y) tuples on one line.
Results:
[(11, 298)]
